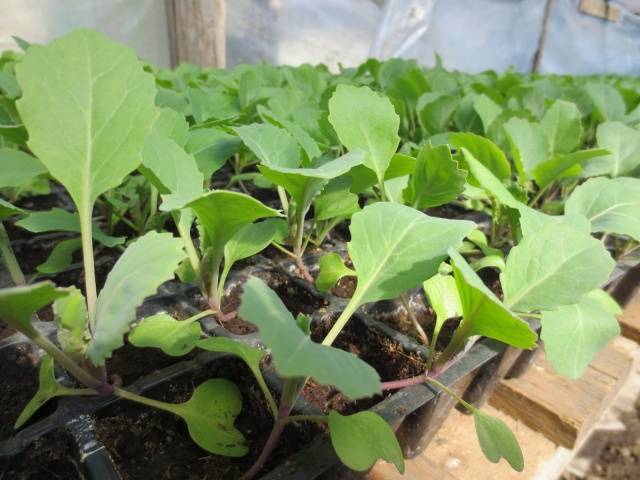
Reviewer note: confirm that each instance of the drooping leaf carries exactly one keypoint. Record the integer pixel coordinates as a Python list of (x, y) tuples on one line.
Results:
[(485, 151), (252, 356), (58, 220), (272, 145), (558, 166), (588, 324), (332, 269), (60, 257), (552, 267), (18, 304), (173, 337), (366, 121), (562, 123), (144, 265), (624, 144), (70, 315), (295, 354), (104, 110), (211, 147), (497, 440), (436, 180), (394, 247), (529, 145), (611, 205), (252, 238), (18, 168), (210, 414), (363, 438)]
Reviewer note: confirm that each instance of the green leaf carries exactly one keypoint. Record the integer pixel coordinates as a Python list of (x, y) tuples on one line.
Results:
[(58, 220), (436, 180), (562, 123), (611, 205), (362, 438), (171, 125), (211, 147), (250, 355), (529, 145), (568, 264), (308, 144), (394, 247), (272, 145), (489, 182), (104, 110), (573, 334), (363, 177), (144, 265), (18, 168), (624, 144), (252, 238), (8, 210), (294, 354), (485, 151), (332, 269), (435, 111), (48, 388), (18, 304), (60, 257), (561, 166), (606, 100), (173, 337), (335, 200), (483, 313), (210, 414), (367, 121), (532, 221), (487, 110), (70, 315), (497, 440), (443, 297)]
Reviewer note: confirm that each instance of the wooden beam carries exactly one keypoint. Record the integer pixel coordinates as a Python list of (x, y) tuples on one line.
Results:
[(197, 32), (630, 319)]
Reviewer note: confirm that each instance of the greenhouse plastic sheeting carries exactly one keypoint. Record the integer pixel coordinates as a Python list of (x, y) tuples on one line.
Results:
[(578, 43), (142, 24)]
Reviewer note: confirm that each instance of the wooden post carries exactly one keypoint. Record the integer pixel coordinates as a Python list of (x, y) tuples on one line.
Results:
[(543, 38), (197, 32)]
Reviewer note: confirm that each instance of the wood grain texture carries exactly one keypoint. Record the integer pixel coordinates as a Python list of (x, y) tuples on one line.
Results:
[(630, 319)]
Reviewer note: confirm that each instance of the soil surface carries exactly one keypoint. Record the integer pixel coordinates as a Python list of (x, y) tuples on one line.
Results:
[(147, 443)]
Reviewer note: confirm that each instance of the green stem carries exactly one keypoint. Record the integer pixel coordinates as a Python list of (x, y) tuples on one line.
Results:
[(10, 259), (283, 250), (150, 402), (273, 406), (89, 268), (198, 316), (153, 202), (189, 247), (223, 278), (342, 320), (283, 200), (453, 394)]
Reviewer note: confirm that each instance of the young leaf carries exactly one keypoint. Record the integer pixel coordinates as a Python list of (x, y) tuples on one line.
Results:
[(436, 180), (529, 145), (568, 264), (394, 247), (70, 315), (144, 265), (308, 144), (171, 125), (60, 257), (250, 355), (486, 109), (335, 200), (272, 145), (295, 354), (607, 101), (562, 123), (365, 120), (18, 168), (485, 151), (362, 438), (18, 304), (252, 239), (332, 269), (210, 414), (483, 313), (497, 440), (624, 144), (611, 205), (435, 111), (173, 337), (589, 324), (8, 210), (211, 147), (104, 110), (559, 166)]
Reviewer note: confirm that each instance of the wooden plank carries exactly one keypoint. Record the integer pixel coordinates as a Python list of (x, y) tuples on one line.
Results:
[(564, 410), (600, 9), (630, 319), (197, 32)]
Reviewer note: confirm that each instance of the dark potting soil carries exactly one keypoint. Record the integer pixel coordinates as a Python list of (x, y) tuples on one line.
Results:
[(147, 443), (49, 457)]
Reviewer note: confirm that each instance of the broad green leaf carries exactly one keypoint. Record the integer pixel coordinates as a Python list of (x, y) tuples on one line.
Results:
[(60, 257), (489, 182), (213, 103), (8, 210), (483, 313), (70, 315), (252, 238), (335, 200), (611, 205), (222, 214), (532, 221), (363, 177), (18, 168), (568, 264), (624, 144), (561, 166), (211, 147), (252, 356), (272, 145), (294, 354), (173, 337), (104, 110), (588, 324), (18, 304), (144, 265), (485, 151), (478, 238), (365, 120), (394, 247), (443, 297), (562, 123), (173, 172), (435, 111), (172, 125), (332, 269), (607, 101), (362, 438), (529, 145), (210, 414), (48, 388), (308, 144), (58, 220), (436, 180), (486, 109), (497, 440)]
